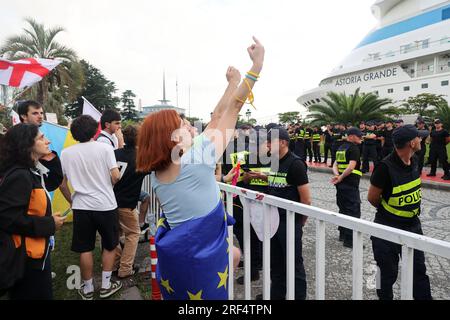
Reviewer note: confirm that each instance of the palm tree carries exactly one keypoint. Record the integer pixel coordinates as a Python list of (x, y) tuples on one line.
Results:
[(39, 42), (338, 107)]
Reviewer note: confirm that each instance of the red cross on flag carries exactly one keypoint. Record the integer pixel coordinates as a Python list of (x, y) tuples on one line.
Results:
[(25, 72)]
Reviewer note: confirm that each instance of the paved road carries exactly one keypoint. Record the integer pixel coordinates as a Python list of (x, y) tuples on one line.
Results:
[(436, 224)]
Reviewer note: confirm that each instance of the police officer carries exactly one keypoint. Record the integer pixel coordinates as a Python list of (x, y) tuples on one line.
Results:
[(327, 145), (307, 138), (395, 191), (420, 124), (299, 148), (439, 140), (346, 178), (336, 141), (379, 130), (316, 138), (290, 182), (369, 147), (256, 171), (388, 144)]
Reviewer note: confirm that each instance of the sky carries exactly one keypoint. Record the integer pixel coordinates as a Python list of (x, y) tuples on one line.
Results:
[(194, 41)]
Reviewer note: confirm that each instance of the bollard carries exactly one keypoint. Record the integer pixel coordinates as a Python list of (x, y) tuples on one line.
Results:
[(156, 292)]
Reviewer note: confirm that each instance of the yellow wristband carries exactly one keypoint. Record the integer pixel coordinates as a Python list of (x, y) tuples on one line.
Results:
[(253, 74)]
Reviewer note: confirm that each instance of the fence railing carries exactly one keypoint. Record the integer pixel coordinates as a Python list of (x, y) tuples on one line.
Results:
[(409, 242)]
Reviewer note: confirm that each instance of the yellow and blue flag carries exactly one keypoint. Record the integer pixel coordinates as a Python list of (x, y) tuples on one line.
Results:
[(60, 138), (193, 258)]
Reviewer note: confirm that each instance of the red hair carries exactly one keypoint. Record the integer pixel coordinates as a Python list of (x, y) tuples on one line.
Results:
[(154, 148)]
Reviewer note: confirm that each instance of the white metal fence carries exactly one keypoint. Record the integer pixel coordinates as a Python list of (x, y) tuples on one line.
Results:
[(409, 242)]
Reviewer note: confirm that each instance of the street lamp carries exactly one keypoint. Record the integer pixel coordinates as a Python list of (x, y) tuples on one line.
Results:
[(248, 114)]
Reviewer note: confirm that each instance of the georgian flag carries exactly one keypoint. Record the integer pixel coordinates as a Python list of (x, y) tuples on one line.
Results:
[(15, 117), (25, 72)]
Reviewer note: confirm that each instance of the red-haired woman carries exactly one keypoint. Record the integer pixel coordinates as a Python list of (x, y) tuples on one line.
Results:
[(192, 238)]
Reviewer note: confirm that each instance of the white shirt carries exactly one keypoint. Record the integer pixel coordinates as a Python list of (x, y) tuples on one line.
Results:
[(88, 166), (112, 137)]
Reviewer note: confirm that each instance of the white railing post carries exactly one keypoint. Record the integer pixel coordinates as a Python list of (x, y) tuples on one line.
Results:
[(247, 250), (290, 255), (320, 260), (266, 252), (229, 200), (357, 265), (407, 273)]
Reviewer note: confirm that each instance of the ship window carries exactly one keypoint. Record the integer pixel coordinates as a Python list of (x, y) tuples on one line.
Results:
[(424, 85), (318, 100), (375, 92), (446, 14), (425, 43), (390, 90), (444, 83), (406, 88)]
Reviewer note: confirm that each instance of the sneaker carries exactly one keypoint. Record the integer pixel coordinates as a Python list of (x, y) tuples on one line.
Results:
[(85, 296), (134, 271), (144, 228), (446, 177), (254, 277), (106, 293)]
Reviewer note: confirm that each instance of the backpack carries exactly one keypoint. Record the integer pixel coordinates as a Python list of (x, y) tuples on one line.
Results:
[(102, 135), (12, 259)]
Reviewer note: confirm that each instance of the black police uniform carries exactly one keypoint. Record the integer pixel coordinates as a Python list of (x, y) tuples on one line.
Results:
[(337, 141), (316, 146), (327, 145), (299, 148), (260, 186), (388, 145), (399, 208), (308, 148), (421, 154), (283, 184), (438, 151), (369, 151), (347, 192)]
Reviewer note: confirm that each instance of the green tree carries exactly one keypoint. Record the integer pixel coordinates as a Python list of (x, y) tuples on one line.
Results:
[(96, 88), (338, 107), (37, 41), (129, 111), (289, 117), (421, 104)]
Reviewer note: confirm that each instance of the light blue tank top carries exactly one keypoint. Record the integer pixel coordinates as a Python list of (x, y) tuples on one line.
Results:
[(195, 192)]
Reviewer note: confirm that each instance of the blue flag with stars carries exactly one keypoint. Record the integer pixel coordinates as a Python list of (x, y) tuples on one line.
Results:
[(193, 258)]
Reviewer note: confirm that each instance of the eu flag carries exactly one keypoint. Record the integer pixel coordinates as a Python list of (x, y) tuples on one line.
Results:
[(193, 258)]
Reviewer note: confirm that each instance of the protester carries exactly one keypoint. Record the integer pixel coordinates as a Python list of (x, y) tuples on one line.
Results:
[(92, 170), (26, 220), (192, 246), (127, 192), (49, 165), (111, 133)]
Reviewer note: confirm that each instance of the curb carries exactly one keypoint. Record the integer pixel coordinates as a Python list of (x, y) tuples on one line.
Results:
[(425, 184)]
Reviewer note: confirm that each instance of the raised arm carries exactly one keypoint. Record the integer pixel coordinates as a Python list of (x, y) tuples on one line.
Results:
[(219, 135)]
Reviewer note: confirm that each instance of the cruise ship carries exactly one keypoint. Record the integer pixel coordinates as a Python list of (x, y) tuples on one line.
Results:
[(408, 53)]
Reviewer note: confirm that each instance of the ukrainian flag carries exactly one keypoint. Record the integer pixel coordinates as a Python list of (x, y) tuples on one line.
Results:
[(60, 138), (193, 258)]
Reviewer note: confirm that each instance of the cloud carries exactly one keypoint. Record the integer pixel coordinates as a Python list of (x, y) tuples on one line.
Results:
[(133, 41)]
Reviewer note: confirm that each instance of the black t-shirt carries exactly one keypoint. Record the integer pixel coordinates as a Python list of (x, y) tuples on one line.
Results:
[(353, 154), (438, 138), (337, 135), (381, 179), (368, 141), (128, 189), (387, 134), (297, 173), (328, 137)]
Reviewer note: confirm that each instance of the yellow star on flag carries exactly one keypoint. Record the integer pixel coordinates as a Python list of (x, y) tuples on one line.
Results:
[(223, 279), (166, 285), (161, 223), (197, 296)]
